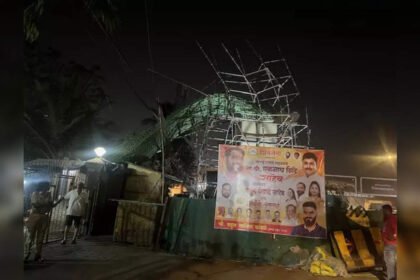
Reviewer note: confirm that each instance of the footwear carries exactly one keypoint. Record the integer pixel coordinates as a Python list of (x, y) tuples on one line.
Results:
[(73, 242), (63, 242)]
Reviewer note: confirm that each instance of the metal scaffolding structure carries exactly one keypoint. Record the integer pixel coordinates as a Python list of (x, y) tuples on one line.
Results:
[(246, 105), (271, 88)]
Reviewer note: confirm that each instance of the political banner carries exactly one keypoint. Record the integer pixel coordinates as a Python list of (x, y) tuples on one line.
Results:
[(271, 190)]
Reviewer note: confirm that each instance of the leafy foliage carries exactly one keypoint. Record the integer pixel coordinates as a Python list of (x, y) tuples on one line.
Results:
[(62, 103), (103, 12)]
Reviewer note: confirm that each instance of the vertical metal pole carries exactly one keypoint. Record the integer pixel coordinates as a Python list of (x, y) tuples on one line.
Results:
[(162, 217), (49, 221), (94, 202), (163, 152)]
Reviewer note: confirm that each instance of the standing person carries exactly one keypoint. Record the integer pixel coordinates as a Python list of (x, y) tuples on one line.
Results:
[(37, 223), (389, 237), (75, 211)]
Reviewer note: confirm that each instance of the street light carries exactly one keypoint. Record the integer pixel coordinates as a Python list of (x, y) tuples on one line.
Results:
[(100, 151), (390, 157)]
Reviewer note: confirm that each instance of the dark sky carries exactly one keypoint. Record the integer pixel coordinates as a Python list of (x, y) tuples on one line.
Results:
[(343, 60)]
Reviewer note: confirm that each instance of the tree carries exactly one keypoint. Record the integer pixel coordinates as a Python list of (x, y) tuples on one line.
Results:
[(179, 156), (62, 103), (167, 107), (103, 12)]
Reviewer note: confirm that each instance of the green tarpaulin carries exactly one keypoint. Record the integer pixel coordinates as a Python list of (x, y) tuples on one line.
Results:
[(189, 230)]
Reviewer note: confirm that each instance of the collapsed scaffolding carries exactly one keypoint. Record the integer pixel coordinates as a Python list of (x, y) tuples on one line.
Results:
[(271, 88), (247, 106)]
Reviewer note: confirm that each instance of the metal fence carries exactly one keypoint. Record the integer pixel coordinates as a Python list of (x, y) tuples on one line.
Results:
[(60, 182), (57, 216)]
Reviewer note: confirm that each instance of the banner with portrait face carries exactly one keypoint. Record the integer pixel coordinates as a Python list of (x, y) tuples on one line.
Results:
[(271, 190)]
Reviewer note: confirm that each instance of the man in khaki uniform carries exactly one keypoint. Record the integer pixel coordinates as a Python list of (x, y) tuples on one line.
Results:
[(37, 223)]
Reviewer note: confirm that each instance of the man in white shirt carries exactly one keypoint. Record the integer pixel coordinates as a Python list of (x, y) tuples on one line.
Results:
[(75, 211)]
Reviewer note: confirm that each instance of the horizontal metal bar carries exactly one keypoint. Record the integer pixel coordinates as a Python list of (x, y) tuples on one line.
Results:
[(386, 179), (243, 92), (256, 72), (137, 202), (231, 74), (281, 96)]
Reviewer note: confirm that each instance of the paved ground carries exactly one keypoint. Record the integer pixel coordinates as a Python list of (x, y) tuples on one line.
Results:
[(100, 258)]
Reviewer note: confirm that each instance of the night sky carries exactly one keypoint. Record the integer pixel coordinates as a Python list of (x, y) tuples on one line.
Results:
[(342, 59)]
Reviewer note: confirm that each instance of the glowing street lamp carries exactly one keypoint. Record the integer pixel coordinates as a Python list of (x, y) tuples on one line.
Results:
[(100, 151), (391, 157)]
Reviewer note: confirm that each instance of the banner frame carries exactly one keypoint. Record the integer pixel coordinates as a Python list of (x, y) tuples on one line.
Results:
[(376, 178)]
